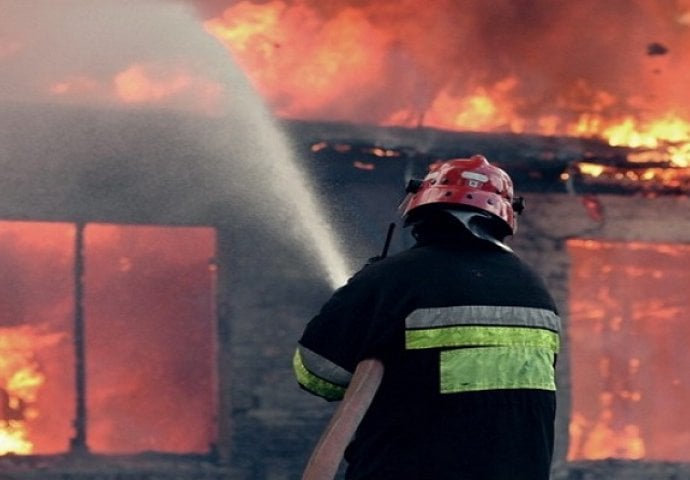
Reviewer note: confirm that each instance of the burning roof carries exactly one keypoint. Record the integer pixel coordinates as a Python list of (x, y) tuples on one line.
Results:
[(596, 90), (562, 68)]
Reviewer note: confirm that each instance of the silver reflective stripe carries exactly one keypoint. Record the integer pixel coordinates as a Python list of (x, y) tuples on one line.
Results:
[(324, 368), (483, 315)]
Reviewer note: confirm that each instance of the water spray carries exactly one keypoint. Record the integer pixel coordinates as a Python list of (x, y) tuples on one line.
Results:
[(294, 205), (281, 196), (311, 218)]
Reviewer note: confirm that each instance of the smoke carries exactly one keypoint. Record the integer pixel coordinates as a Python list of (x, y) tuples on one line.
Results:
[(106, 53)]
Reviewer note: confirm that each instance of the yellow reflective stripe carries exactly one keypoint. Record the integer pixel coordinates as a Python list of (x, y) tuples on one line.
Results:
[(474, 335), (493, 368), (316, 385)]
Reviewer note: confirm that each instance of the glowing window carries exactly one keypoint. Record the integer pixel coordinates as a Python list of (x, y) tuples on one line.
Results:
[(148, 375), (628, 332)]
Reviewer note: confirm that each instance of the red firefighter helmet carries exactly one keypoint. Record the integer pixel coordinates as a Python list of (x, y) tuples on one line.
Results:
[(466, 182)]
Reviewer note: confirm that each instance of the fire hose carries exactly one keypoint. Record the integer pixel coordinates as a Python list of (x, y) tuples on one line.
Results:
[(328, 453)]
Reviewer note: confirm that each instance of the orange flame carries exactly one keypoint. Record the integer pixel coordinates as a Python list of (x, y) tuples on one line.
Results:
[(21, 379), (263, 40), (669, 135), (404, 67)]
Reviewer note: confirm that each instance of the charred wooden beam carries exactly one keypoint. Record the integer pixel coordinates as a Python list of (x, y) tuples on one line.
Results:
[(536, 163)]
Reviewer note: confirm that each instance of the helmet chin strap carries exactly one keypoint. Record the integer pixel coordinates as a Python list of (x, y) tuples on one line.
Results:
[(476, 222)]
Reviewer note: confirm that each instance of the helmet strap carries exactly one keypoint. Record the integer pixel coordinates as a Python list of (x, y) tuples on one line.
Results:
[(478, 224)]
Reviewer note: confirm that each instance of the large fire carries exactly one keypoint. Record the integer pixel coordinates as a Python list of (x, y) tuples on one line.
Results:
[(615, 70)]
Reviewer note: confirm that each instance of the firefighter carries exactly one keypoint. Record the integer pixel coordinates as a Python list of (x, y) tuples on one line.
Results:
[(468, 335)]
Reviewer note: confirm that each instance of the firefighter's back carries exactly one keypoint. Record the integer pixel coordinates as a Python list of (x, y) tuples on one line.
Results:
[(468, 334)]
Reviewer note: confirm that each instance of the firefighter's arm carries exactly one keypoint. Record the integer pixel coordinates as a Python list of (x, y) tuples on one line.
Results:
[(328, 453), (334, 341)]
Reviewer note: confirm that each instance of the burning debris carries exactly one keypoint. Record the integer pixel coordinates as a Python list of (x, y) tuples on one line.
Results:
[(625, 177), (587, 169)]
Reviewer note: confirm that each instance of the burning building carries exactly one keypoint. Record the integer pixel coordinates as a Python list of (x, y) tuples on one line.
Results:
[(149, 324), (164, 239)]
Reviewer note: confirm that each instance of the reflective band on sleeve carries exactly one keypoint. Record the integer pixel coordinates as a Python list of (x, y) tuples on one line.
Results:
[(316, 385), (323, 367), (484, 315), (492, 368), (472, 336)]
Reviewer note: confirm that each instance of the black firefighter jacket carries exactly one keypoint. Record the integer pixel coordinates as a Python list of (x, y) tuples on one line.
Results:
[(468, 335)]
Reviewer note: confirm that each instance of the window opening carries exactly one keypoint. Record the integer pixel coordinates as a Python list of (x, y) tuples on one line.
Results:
[(149, 346), (628, 331)]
